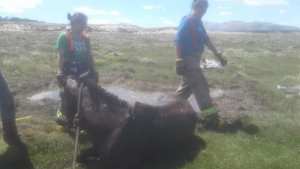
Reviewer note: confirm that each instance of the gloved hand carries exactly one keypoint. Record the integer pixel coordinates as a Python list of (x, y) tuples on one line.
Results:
[(61, 80), (89, 78), (76, 122), (222, 59)]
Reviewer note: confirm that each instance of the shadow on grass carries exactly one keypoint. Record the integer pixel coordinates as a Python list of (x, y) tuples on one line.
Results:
[(15, 157), (168, 158), (233, 127), (176, 157)]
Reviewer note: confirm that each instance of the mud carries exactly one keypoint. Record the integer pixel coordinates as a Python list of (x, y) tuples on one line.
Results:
[(154, 98), (45, 97), (234, 104), (290, 90), (210, 64)]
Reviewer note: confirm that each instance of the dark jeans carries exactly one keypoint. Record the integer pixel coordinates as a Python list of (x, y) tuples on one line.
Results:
[(7, 109)]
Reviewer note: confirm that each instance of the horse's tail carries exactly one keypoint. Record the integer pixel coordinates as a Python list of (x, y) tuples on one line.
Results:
[(7, 109)]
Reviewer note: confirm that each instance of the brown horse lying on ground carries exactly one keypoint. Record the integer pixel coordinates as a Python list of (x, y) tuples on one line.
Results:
[(124, 136)]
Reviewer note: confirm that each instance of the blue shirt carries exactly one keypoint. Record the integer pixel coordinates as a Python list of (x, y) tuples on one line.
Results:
[(191, 36)]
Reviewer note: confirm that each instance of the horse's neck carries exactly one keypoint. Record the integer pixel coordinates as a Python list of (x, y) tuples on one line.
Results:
[(103, 109), (112, 100), (100, 100)]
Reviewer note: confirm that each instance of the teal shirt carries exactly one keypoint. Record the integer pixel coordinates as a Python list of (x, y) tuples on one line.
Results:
[(80, 47)]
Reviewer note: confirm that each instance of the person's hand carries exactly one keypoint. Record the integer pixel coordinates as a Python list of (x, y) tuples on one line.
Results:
[(223, 61), (221, 58), (76, 121)]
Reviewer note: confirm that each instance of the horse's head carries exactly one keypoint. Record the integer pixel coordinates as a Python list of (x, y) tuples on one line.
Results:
[(72, 86), (98, 107), (72, 83)]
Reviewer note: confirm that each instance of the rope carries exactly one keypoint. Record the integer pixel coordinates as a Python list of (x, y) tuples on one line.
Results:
[(24, 118), (77, 127)]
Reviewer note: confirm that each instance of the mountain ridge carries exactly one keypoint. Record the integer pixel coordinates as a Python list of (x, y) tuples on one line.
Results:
[(9, 23)]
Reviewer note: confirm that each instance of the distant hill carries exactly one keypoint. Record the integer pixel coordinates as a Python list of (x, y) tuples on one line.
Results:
[(21, 24), (239, 26), (16, 19), (236, 26)]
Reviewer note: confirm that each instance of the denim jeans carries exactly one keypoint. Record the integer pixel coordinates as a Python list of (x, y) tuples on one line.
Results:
[(7, 107)]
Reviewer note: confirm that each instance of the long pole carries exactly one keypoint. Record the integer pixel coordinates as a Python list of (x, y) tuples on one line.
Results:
[(77, 127)]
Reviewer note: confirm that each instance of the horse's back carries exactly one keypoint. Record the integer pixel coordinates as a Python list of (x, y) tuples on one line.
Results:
[(174, 119)]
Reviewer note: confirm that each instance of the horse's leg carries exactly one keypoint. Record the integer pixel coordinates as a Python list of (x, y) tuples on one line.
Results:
[(69, 107), (98, 148), (87, 154)]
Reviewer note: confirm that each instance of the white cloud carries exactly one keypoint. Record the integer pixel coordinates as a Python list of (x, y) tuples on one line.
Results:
[(152, 7), (96, 12), (101, 16), (18, 6), (221, 7), (265, 2), (111, 21), (115, 13), (258, 2), (282, 11), (100, 21), (225, 13), (167, 22)]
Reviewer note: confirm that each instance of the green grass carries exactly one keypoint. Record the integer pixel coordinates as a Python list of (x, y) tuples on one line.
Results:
[(257, 64)]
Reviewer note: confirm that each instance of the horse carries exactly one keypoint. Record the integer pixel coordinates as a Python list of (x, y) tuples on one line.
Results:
[(124, 135)]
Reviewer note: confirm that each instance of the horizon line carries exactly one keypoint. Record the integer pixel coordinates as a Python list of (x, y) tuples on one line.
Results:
[(154, 26)]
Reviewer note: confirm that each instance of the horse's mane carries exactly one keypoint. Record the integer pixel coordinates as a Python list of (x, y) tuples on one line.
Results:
[(99, 95), (111, 99)]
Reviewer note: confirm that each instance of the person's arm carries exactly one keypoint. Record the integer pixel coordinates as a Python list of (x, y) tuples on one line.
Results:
[(60, 72), (61, 57), (178, 52), (212, 47), (61, 46)]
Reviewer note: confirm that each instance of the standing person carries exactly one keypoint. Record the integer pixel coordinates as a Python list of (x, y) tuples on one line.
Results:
[(190, 42), (75, 58)]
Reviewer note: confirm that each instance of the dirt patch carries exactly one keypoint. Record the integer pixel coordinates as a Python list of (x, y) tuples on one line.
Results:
[(290, 91), (231, 102)]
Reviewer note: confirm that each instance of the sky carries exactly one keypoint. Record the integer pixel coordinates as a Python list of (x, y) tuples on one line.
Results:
[(153, 13)]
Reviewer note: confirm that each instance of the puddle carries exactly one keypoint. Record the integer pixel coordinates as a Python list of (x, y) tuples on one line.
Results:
[(45, 97), (289, 90), (153, 98), (210, 64)]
